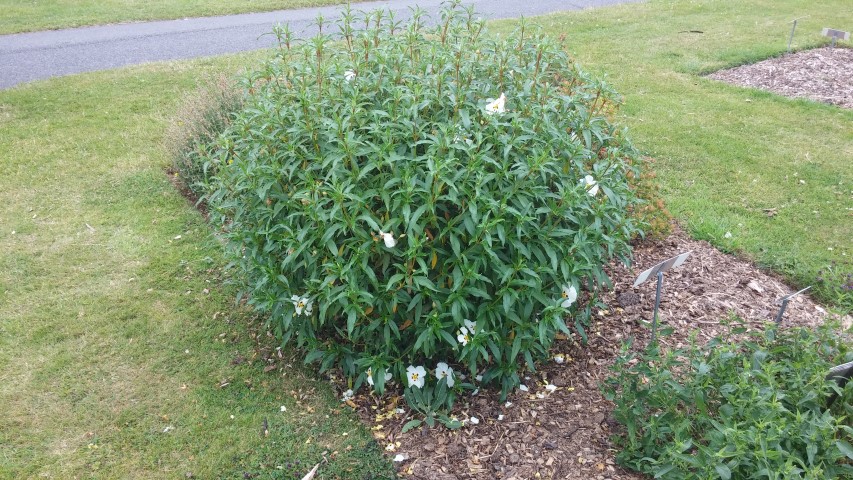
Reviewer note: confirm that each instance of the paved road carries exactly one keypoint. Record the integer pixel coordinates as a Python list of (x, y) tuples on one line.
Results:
[(26, 57)]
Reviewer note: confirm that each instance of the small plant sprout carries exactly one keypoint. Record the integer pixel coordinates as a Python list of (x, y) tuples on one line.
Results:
[(590, 185), (416, 376), (301, 304), (349, 76), (497, 106), (388, 238), (569, 296), (463, 336), (442, 370), (370, 376)]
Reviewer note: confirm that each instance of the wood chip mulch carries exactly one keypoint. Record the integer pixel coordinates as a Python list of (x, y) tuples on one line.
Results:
[(821, 74), (566, 434)]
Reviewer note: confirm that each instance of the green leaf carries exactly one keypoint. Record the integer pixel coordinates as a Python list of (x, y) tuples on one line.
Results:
[(412, 424), (723, 471), (352, 316), (845, 448), (660, 472)]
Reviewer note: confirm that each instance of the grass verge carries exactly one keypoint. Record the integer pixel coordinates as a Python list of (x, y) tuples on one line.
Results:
[(122, 354), (18, 16), (725, 154)]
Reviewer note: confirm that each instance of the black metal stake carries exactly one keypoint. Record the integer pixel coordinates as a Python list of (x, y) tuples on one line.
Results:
[(782, 310), (657, 304), (840, 375), (784, 302)]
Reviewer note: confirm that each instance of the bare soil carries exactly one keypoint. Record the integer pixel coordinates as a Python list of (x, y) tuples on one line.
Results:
[(821, 74), (566, 434)]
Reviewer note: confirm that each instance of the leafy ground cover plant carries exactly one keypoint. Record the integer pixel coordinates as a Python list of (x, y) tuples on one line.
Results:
[(409, 201), (752, 409)]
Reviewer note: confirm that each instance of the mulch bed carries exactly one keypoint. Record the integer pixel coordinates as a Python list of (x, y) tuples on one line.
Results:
[(821, 74), (566, 434)]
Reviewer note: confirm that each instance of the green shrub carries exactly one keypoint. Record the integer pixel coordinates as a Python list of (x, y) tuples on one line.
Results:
[(749, 410), (405, 196), (192, 133)]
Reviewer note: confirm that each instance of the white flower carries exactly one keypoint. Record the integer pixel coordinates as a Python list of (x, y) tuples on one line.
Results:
[(569, 295), (283, 408), (728, 235), (508, 404), (500, 417), (590, 184), (347, 395), (559, 358), (478, 378), (388, 238), (442, 370), (463, 336), (498, 106), (349, 75), (301, 304), (370, 376), (523, 387), (417, 376), (471, 326), (400, 457), (551, 388), (474, 420)]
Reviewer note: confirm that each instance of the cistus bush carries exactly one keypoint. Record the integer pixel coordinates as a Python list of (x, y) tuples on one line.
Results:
[(401, 196), (751, 409)]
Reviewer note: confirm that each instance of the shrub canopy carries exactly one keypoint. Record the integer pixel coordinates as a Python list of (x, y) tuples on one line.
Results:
[(401, 195), (751, 409)]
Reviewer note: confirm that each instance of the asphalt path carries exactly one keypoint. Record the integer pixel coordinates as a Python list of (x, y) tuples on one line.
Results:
[(26, 57)]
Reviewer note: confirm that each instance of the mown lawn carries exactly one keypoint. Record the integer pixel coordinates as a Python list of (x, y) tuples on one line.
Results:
[(117, 327), (724, 154), (27, 16)]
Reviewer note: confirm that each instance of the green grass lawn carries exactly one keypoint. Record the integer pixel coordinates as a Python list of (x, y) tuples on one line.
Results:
[(724, 153), (31, 15), (115, 334)]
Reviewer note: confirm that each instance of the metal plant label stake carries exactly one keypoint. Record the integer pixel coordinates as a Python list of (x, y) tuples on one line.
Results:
[(793, 28), (835, 35), (658, 271), (784, 303), (841, 374)]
